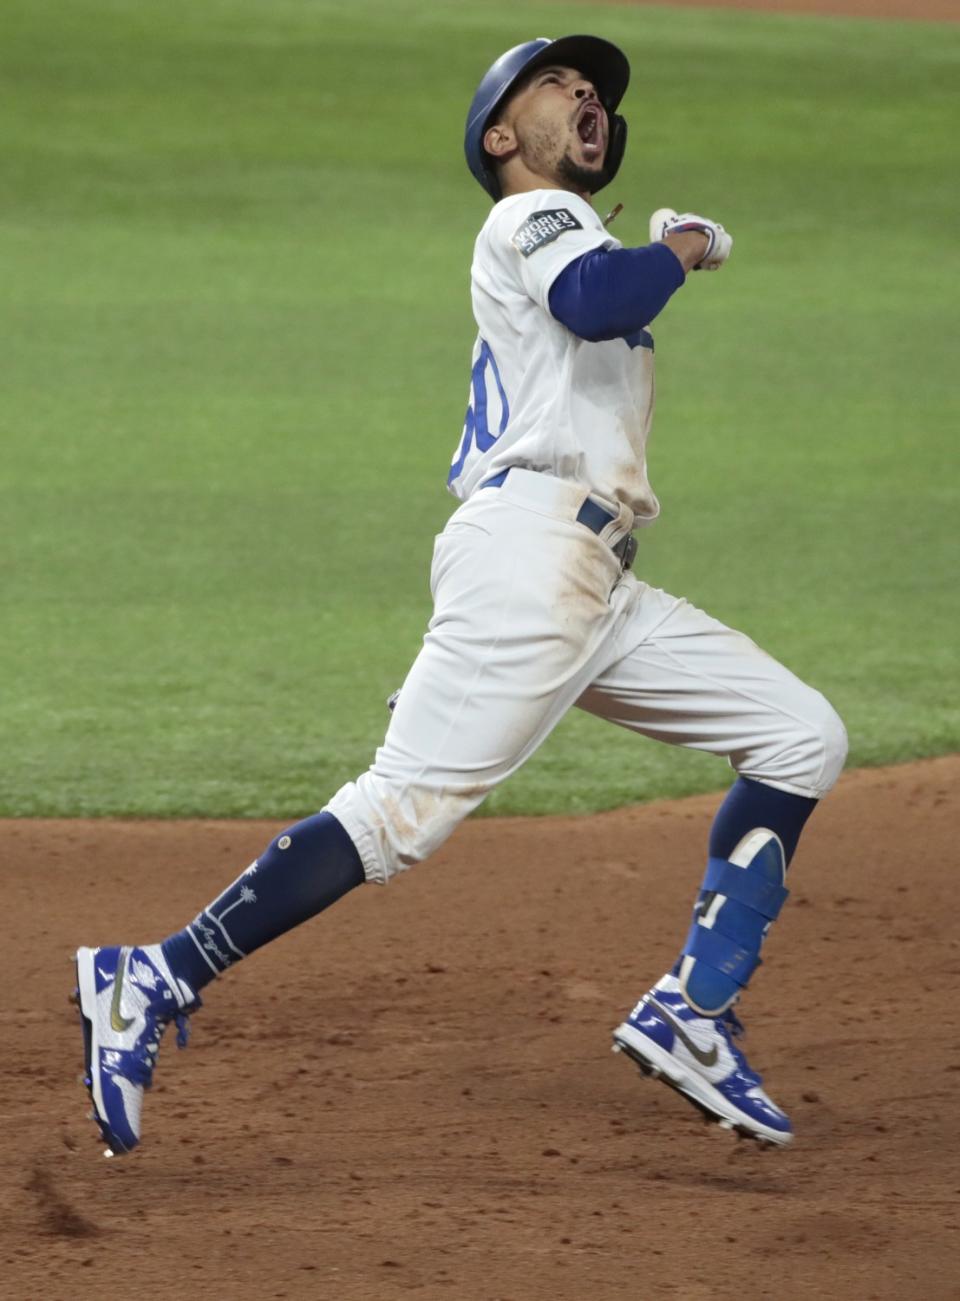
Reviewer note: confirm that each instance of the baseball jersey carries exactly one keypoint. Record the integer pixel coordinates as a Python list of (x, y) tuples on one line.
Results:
[(542, 398)]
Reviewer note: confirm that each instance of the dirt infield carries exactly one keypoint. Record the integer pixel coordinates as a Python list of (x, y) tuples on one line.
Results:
[(414, 1094), (925, 10)]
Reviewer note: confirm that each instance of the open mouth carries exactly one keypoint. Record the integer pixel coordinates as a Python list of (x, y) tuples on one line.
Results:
[(590, 121)]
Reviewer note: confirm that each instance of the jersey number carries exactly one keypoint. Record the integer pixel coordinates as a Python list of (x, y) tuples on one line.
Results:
[(475, 427)]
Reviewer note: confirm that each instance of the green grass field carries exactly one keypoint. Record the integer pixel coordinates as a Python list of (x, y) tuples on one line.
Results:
[(236, 332)]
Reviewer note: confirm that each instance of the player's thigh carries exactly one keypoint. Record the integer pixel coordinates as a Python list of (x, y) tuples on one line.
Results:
[(694, 682), (517, 632)]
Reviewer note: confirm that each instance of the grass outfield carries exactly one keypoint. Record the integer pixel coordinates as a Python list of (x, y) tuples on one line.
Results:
[(236, 333)]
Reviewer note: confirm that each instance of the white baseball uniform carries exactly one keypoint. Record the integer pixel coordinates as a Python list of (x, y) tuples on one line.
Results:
[(532, 610), (541, 398)]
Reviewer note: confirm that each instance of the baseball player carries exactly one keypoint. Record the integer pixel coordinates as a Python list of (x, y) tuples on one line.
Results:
[(536, 609)]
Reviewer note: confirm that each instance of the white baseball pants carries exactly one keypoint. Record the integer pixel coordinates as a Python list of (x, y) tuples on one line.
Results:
[(532, 616)]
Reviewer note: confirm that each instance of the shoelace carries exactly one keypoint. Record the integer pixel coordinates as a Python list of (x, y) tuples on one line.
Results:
[(733, 1026), (144, 1059), (182, 1022), (733, 1023)]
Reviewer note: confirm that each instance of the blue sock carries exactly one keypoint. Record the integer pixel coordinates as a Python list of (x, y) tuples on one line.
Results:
[(750, 804), (304, 870)]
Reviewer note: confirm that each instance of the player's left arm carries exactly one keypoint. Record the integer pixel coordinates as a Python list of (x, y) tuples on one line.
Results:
[(670, 226), (611, 292)]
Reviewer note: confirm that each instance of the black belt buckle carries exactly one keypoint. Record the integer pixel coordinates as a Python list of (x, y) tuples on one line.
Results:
[(626, 549)]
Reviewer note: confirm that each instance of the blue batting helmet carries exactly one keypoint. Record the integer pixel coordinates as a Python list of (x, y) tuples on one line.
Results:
[(600, 61)]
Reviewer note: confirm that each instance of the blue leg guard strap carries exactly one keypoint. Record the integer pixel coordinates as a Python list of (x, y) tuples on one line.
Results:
[(722, 953), (747, 887), (739, 899)]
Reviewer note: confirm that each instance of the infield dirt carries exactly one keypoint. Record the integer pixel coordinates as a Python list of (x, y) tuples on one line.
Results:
[(414, 1094)]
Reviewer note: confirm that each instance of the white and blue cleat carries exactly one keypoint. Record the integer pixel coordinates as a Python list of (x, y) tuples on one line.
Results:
[(697, 1056), (127, 997)]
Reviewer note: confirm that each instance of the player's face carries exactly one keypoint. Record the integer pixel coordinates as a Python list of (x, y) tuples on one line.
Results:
[(559, 128)]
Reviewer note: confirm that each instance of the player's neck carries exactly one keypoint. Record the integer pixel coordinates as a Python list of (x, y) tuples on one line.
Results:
[(517, 178)]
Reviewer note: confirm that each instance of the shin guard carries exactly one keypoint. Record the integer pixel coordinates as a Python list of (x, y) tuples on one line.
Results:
[(739, 899)]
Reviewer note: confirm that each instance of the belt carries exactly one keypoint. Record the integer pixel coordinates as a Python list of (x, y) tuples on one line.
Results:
[(594, 516)]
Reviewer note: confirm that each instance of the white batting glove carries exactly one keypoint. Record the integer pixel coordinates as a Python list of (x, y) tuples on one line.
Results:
[(665, 221)]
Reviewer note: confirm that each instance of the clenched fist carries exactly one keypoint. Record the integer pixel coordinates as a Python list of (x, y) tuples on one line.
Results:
[(665, 221)]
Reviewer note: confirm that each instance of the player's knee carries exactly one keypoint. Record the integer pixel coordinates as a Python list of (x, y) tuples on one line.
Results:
[(806, 753), (835, 746), (395, 830), (818, 748)]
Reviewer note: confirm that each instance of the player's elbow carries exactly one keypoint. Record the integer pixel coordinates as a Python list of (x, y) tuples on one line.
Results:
[(590, 331), (582, 313)]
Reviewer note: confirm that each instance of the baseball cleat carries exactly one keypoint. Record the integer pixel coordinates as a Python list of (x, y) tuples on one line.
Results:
[(127, 998), (696, 1055)]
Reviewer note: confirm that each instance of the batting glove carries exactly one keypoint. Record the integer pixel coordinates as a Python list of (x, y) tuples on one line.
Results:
[(665, 221)]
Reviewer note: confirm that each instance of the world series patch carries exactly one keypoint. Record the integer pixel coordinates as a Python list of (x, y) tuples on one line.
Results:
[(543, 228)]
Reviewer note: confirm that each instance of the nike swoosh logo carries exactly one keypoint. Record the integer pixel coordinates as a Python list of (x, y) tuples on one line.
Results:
[(705, 1059), (118, 1022)]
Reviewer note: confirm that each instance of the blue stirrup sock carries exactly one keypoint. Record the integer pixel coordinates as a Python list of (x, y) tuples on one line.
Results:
[(752, 840), (304, 870)]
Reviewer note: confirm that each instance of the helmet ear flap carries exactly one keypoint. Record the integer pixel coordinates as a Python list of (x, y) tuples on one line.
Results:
[(615, 148)]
